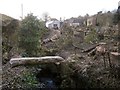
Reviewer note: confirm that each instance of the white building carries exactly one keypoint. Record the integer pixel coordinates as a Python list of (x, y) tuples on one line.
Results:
[(53, 24)]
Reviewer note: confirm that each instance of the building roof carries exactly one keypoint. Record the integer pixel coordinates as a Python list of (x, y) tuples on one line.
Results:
[(77, 21), (74, 20), (51, 22)]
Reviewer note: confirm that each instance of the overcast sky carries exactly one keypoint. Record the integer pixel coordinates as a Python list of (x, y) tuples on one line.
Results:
[(56, 8)]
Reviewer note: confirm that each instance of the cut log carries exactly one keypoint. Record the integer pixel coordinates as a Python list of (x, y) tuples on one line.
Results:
[(93, 47), (115, 53), (92, 52), (115, 57), (35, 60), (90, 48)]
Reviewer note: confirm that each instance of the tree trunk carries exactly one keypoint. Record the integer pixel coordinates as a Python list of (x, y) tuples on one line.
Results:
[(90, 48), (35, 60)]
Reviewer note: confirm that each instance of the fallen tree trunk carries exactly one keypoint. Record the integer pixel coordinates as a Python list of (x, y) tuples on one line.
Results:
[(92, 52), (35, 60), (90, 48)]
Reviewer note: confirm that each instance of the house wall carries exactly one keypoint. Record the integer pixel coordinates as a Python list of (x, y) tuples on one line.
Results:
[(91, 21), (50, 24), (56, 22), (74, 24)]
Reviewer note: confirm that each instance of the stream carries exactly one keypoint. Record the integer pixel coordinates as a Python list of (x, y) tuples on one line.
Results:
[(48, 79), (48, 83)]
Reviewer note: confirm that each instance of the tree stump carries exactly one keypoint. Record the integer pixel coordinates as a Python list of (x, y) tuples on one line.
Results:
[(115, 58)]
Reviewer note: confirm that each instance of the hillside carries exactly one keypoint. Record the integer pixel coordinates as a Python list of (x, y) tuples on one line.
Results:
[(89, 53)]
